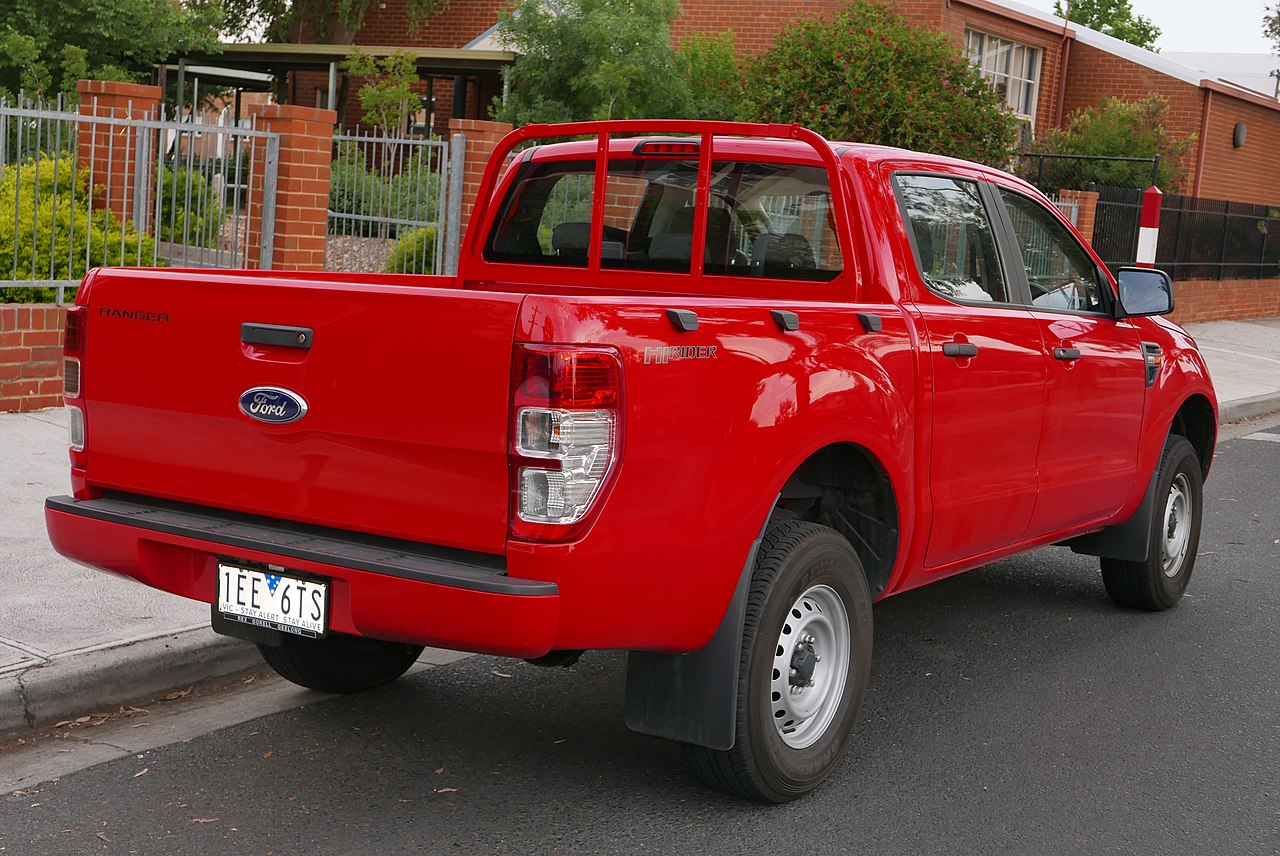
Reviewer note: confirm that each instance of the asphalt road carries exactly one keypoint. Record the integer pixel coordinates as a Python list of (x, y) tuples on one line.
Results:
[(1012, 710)]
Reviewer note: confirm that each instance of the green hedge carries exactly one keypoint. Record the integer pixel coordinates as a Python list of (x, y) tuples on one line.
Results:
[(191, 213), (48, 237), (356, 189), (414, 252)]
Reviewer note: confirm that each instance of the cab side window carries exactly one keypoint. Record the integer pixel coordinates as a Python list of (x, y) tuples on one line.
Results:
[(1061, 274), (953, 238)]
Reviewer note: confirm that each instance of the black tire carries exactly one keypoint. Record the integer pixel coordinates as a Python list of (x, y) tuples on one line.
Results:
[(1158, 583), (796, 559), (338, 663)]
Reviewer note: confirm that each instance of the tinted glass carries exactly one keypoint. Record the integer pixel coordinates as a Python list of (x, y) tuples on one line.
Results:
[(764, 220), (771, 220), (953, 239)]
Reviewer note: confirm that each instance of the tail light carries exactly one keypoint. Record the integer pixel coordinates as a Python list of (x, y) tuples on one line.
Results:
[(73, 378), (564, 439)]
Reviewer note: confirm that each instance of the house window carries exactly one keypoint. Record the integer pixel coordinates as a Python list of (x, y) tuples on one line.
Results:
[(1013, 69)]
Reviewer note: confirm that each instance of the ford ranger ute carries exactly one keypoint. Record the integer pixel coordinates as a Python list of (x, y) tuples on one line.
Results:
[(702, 392)]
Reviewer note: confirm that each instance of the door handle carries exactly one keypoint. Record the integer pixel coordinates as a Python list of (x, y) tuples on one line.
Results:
[(1066, 353), (960, 349), (276, 334)]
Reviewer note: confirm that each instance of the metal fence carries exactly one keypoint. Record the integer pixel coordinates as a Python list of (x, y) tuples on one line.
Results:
[(387, 204), (1054, 172), (1199, 238), (79, 190)]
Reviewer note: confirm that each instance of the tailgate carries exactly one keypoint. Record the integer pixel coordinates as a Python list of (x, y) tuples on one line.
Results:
[(406, 393)]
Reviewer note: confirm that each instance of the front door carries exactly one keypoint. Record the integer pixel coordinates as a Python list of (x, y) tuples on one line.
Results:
[(1093, 410)]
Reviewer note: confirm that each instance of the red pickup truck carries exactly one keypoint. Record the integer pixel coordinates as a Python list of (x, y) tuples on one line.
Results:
[(700, 391)]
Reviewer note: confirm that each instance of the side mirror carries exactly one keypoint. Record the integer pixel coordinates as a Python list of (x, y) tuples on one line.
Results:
[(1144, 291)]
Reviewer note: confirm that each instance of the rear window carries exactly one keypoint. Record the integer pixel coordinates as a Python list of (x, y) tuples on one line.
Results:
[(764, 219)]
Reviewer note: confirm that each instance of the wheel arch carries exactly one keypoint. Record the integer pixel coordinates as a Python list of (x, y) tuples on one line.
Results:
[(1195, 421), (846, 487)]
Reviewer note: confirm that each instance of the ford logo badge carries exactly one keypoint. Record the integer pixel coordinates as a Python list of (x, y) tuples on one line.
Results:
[(272, 404)]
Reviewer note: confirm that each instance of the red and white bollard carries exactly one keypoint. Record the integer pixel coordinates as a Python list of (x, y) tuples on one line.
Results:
[(1149, 227)]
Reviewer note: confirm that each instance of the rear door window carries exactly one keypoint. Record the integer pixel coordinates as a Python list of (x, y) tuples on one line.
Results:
[(954, 242)]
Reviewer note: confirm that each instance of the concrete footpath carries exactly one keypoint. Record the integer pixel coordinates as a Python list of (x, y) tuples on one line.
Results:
[(75, 641)]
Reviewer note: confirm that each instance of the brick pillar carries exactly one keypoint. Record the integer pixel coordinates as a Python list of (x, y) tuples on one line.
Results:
[(30, 357), (482, 139), (110, 148), (1087, 200), (302, 187)]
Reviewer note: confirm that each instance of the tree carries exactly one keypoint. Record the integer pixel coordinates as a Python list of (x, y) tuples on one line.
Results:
[(46, 45), (386, 93), (611, 59), (1271, 28), (588, 59), (335, 21), (868, 74), (1112, 17), (1119, 129)]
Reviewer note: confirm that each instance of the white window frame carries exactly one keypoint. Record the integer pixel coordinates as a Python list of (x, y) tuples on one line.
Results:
[(1011, 67)]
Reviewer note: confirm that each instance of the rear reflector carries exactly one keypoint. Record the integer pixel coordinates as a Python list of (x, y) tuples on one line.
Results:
[(73, 341), (77, 428), (71, 377)]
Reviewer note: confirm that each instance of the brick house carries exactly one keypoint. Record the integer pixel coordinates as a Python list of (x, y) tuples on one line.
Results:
[(1046, 67)]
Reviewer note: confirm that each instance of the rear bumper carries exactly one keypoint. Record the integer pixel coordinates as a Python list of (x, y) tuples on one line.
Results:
[(381, 588)]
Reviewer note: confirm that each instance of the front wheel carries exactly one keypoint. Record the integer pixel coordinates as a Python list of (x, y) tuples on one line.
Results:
[(339, 663), (806, 661), (1158, 582)]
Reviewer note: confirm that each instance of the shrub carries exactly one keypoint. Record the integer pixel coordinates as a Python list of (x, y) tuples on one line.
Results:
[(415, 252), (49, 236), (190, 213), (405, 190), (1116, 128), (867, 74)]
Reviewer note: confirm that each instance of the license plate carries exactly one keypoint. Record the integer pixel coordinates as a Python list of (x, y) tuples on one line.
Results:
[(274, 600)]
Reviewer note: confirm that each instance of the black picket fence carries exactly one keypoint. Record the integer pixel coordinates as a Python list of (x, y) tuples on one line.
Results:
[(1199, 238)]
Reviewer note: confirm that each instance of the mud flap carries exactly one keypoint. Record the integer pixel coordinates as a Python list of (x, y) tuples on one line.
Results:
[(693, 697), (1129, 541)]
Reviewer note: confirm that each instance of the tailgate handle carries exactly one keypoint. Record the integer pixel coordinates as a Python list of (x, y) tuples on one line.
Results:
[(276, 334)]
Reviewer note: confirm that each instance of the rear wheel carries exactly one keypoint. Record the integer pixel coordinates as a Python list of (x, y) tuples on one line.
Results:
[(338, 663), (1159, 582), (806, 660)]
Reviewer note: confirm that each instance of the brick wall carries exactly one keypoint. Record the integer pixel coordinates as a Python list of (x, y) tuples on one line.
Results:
[(482, 139), (110, 150), (302, 187), (1248, 173), (30, 357), (1225, 300), (1094, 75)]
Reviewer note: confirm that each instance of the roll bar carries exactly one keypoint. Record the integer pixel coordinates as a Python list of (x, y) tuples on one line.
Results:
[(706, 131)]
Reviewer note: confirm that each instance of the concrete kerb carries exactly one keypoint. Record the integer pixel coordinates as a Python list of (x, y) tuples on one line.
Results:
[(1249, 408), (102, 679)]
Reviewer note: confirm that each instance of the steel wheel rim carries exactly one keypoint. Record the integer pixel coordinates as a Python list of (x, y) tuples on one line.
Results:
[(804, 701), (1176, 533)]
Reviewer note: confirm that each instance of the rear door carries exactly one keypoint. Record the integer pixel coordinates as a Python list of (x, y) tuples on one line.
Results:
[(406, 393), (987, 366), (1096, 371)]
